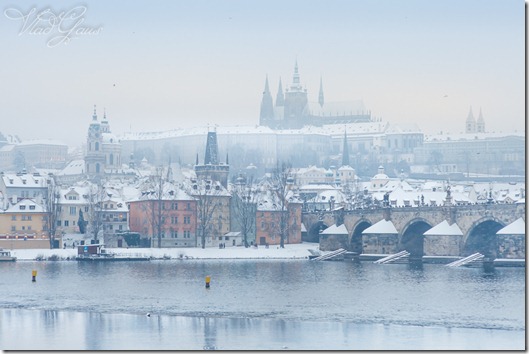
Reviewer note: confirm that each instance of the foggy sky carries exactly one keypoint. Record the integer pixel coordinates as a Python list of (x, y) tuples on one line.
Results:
[(166, 64)]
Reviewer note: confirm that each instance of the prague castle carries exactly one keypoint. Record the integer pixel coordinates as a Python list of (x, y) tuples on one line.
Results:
[(293, 110)]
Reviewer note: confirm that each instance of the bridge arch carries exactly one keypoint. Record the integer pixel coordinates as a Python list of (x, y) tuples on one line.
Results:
[(314, 232), (412, 239), (482, 237), (356, 236)]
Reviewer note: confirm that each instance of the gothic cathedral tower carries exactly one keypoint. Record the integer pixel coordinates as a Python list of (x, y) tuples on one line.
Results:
[(295, 103)]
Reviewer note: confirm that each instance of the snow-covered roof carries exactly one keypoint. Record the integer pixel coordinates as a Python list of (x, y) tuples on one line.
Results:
[(43, 142), (25, 206), (74, 167), (303, 228), (470, 136), (26, 180), (515, 228), (444, 229), (381, 227), (335, 230)]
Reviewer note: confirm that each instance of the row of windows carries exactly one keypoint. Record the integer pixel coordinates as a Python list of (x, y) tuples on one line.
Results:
[(174, 206), (24, 228), (174, 219), (174, 234), (23, 218)]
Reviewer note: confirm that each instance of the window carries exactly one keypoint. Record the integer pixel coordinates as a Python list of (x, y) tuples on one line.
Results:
[(58, 222), (29, 217), (174, 219), (13, 217), (174, 206), (66, 223), (23, 217), (188, 206), (73, 211), (13, 228), (31, 207), (187, 220), (29, 228), (22, 207), (86, 209)]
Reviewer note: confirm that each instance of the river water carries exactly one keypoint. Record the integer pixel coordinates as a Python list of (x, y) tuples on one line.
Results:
[(259, 304)]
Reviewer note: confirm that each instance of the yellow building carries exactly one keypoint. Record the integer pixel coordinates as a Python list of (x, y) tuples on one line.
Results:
[(23, 225)]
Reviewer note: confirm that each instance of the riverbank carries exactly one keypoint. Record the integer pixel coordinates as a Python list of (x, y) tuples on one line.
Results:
[(291, 251)]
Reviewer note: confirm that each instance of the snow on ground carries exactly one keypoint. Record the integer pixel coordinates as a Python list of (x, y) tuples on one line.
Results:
[(294, 251)]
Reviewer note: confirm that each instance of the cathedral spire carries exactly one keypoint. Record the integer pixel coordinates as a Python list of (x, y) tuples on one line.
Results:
[(280, 98), (320, 96), (267, 106), (345, 152), (295, 79)]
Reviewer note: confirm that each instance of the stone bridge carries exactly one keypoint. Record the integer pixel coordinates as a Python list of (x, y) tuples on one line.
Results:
[(479, 224)]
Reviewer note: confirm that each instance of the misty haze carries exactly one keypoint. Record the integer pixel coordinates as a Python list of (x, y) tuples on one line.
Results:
[(196, 175)]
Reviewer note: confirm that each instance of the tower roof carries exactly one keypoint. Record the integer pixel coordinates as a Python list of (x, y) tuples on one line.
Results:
[(470, 117), (280, 98), (480, 118)]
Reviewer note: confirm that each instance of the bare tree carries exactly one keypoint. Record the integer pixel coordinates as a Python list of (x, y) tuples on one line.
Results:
[(245, 207), (95, 200), (207, 193), (155, 208), (52, 208), (281, 180)]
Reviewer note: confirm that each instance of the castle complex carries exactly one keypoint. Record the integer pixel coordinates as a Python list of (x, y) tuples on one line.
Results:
[(292, 109)]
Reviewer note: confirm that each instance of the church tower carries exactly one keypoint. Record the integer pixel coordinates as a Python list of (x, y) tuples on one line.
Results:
[(480, 125), (212, 169), (295, 102), (267, 106), (471, 123), (280, 98), (94, 157)]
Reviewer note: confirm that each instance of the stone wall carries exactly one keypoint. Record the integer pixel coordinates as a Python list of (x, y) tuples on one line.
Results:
[(511, 246), (333, 242), (380, 244), (442, 245)]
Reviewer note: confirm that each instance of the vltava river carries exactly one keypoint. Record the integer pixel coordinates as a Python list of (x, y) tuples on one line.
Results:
[(259, 304)]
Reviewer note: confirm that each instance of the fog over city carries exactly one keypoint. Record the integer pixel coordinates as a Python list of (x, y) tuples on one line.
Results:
[(163, 65)]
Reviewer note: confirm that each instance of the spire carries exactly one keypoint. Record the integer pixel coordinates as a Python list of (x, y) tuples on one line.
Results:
[(267, 106), (280, 98), (480, 126), (345, 150), (295, 79), (227, 159), (94, 117), (470, 116), (267, 90), (320, 97), (196, 163), (471, 122), (104, 113)]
